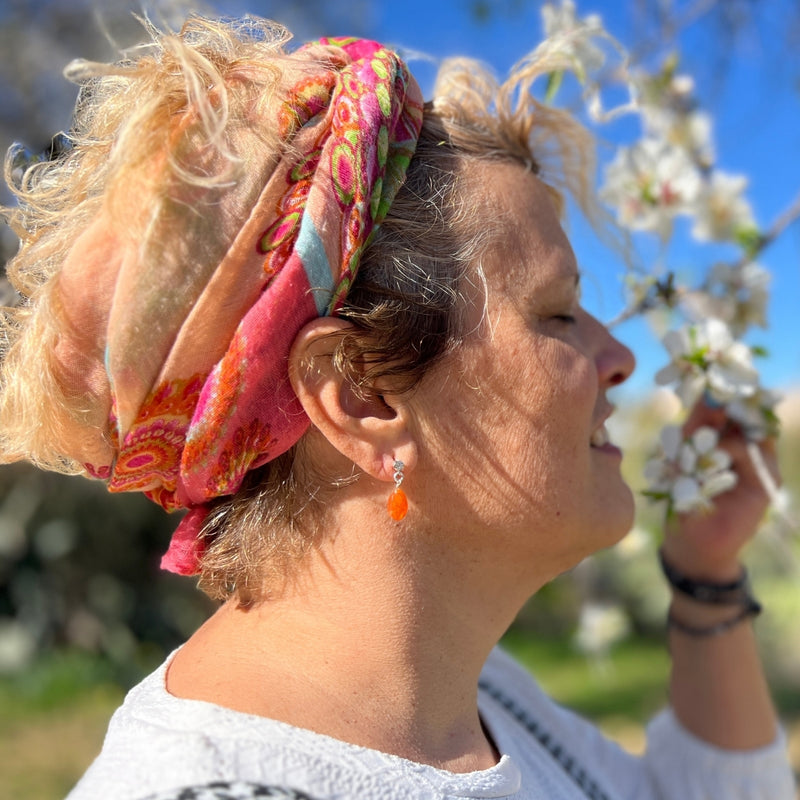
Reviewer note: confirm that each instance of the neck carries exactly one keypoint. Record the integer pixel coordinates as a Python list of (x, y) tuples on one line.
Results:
[(375, 644)]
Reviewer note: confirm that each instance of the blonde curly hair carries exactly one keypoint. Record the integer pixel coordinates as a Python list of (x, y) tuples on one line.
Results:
[(406, 302)]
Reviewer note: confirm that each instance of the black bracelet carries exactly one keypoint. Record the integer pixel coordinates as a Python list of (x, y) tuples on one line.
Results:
[(752, 609), (731, 593)]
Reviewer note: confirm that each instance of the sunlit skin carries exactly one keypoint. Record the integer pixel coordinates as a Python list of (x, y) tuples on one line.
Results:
[(507, 423)]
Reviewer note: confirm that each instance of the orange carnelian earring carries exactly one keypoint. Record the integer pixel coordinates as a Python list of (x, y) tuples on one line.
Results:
[(398, 502)]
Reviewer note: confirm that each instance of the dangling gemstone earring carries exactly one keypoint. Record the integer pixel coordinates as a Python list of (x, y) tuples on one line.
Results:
[(397, 504)]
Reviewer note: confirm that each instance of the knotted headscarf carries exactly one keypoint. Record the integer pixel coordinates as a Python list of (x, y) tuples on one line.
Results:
[(192, 368)]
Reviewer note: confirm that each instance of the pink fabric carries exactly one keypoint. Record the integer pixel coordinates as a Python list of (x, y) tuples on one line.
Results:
[(189, 364)]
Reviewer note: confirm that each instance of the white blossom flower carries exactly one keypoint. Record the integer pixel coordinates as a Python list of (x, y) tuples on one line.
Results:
[(599, 627), (721, 213), (668, 110), (735, 293), (683, 367), (573, 44), (688, 130), (706, 358), (665, 89), (649, 184), (572, 37), (756, 414), (689, 472), (691, 132)]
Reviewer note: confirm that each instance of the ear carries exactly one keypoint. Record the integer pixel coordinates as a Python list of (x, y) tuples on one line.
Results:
[(371, 429)]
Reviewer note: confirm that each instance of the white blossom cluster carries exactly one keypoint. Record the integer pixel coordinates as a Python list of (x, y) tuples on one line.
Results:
[(689, 471), (671, 172), (574, 38)]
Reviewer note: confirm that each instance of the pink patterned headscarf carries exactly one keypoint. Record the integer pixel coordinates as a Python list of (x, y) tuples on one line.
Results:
[(190, 367)]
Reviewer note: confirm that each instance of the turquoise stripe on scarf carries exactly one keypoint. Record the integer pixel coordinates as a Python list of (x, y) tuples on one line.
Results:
[(312, 253)]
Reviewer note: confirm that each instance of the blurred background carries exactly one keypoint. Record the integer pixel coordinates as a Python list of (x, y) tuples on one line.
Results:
[(84, 610)]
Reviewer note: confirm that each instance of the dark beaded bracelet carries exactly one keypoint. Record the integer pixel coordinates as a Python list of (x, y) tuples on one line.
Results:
[(731, 593), (752, 609)]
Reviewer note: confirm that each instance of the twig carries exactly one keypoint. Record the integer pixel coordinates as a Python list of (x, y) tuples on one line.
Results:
[(781, 223), (647, 303), (786, 218), (770, 487), (672, 26), (628, 313)]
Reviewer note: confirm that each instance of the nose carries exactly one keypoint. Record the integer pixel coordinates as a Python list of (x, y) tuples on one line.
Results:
[(615, 362)]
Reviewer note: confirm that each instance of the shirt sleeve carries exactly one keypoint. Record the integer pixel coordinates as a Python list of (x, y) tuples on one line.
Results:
[(683, 766), (676, 765)]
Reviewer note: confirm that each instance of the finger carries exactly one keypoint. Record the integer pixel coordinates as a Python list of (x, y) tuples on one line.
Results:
[(705, 413), (713, 415), (742, 453)]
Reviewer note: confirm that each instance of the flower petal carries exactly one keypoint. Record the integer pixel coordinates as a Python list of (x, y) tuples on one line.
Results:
[(704, 439), (686, 495), (719, 483)]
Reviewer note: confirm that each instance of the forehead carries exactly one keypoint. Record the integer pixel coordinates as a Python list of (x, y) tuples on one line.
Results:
[(526, 243)]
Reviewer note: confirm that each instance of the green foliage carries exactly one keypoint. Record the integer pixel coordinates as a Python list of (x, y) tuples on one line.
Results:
[(751, 240), (55, 681), (554, 80), (631, 682)]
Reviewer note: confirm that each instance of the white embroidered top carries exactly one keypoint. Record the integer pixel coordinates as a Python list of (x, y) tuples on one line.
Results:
[(156, 742)]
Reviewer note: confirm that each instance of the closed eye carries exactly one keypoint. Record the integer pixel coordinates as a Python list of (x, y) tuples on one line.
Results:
[(565, 318)]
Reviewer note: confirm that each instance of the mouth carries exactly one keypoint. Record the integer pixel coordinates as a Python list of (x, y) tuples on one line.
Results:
[(600, 437), (601, 441)]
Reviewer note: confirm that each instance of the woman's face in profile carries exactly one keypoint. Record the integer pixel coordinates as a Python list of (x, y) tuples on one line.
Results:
[(514, 421)]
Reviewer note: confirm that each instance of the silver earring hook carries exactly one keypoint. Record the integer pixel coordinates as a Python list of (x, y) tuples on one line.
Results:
[(399, 466)]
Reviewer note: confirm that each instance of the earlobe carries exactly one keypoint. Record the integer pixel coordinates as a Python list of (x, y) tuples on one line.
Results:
[(369, 429)]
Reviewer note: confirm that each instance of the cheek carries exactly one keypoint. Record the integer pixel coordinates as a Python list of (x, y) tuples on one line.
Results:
[(559, 418), (509, 434), (560, 384)]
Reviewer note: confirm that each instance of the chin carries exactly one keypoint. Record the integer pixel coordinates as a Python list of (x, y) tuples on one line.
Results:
[(621, 517), (595, 537), (615, 520)]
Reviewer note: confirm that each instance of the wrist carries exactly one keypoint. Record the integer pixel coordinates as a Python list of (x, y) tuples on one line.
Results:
[(697, 620), (696, 612), (731, 591), (706, 608), (701, 567)]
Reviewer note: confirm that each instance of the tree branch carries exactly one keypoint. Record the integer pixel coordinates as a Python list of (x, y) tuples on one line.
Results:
[(790, 215), (785, 219)]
